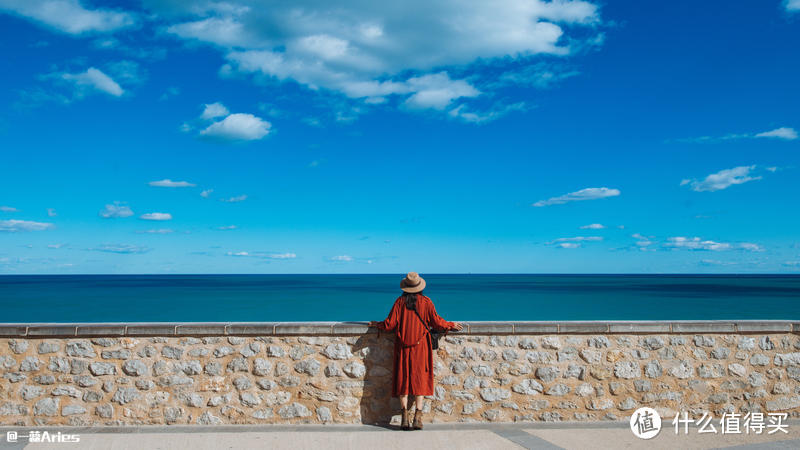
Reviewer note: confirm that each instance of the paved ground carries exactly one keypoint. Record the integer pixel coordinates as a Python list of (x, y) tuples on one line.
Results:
[(435, 436)]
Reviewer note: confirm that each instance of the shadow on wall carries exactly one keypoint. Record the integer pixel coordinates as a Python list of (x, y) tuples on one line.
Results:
[(377, 405)]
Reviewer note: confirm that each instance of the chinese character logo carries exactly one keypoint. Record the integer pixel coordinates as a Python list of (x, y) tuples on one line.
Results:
[(645, 423)]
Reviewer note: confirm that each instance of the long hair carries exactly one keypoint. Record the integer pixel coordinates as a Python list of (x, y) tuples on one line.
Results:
[(411, 299)]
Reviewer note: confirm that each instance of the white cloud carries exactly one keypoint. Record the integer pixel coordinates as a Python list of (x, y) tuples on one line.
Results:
[(722, 179), (479, 117), (569, 245), (227, 227), (171, 184), (373, 50), (282, 256), (264, 255), (437, 91), (715, 262), (121, 248), (583, 194), (206, 193), (116, 210), (214, 110), (541, 75), (69, 16), (788, 134), (792, 5), (156, 216), (157, 231), (696, 243), (238, 127), (8, 209), (236, 199), (24, 225), (342, 258), (51, 212), (578, 239), (93, 79), (593, 226), (55, 246), (794, 264), (784, 133)]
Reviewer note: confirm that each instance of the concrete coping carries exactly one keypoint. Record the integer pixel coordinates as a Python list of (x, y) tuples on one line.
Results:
[(143, 329)]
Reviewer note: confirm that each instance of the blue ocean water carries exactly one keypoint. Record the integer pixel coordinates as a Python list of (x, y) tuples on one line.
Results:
[(179, 298)]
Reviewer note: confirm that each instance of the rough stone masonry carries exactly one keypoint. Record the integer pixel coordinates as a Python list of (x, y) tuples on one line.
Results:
[(332, 378)]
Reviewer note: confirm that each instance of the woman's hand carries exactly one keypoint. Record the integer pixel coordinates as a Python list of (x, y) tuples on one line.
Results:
[(457, 326)]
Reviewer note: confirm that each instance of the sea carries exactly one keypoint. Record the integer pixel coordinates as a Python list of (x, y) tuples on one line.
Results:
[(462, 297)]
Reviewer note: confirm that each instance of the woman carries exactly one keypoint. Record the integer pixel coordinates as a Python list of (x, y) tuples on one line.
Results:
[(411, 317)]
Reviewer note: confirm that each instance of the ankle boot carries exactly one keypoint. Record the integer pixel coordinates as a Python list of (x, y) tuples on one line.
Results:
[(418, 420), (405, 419)]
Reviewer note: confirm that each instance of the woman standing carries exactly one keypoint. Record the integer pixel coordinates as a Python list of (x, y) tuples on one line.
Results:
[(411, 317)]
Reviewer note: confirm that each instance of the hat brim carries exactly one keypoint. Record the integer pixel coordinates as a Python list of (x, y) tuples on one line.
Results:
[(413, 289)]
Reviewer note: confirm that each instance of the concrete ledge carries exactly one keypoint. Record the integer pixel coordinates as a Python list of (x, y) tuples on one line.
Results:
[(251, 329), (45, 330)]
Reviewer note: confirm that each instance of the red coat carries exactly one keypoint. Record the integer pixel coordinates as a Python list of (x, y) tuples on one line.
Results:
[(413, 357)]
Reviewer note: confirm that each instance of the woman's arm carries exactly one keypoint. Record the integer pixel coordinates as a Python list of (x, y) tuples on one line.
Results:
[(391, 321)]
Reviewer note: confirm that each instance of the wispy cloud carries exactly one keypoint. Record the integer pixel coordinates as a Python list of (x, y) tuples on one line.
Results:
[(121, 248), (227, 228), (581, 195), (157, 231), (578, 239), (792, 6), (116, 210), (69, 16), (264, 255), (722, 179), (14, 226), (8, 209), (593, 226), (51, 212), (206, 193), (716, 262), (573, 242), (341, 258), (696, 243), (171, 184), (55, 246), (236, 199), (783, 133), (156, 216), (93, 79)]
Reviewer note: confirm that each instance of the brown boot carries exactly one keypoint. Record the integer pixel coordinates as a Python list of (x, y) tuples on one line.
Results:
[(405, 419), (418, 420)]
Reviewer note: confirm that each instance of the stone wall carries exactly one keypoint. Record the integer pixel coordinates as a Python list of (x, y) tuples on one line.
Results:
[(115, 374)]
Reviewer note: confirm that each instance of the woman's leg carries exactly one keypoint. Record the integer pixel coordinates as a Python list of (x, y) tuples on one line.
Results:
[(404, 401), (419, 399)]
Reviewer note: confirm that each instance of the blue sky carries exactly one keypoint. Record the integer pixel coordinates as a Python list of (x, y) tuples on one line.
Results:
[(363, 137)]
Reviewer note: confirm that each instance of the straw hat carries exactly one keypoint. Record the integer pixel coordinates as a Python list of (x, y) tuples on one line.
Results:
[(412, 283)]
